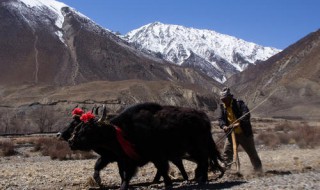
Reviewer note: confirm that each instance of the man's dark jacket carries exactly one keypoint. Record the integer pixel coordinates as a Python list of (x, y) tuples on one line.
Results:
[(239, 108)]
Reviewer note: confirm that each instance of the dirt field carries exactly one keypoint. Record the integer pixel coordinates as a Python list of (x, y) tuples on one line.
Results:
[(285, 167)]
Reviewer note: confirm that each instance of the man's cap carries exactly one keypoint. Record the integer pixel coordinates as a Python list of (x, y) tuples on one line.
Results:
[(225, 93)]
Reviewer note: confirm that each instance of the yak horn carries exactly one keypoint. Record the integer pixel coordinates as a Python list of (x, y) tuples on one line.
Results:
[(104, 114), (97, 111), (92, 110)]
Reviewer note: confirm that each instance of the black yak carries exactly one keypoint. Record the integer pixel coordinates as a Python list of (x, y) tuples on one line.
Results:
[(106, 156), (151, 132)]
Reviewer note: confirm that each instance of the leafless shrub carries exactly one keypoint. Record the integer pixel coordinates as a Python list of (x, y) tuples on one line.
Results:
[(280, 127), (268, 139), (254, 131), (269, 130), (44, 119), (25, 140), (81, 155), (5, 123), (284, 138), (53, 148), (13, 122), (302, 134), (261, 120), (7, 148), (306, 136), (285, 127), (59, 149)]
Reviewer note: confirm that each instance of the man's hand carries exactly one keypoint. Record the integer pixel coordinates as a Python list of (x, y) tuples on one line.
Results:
[(236, 125), (225, 128)]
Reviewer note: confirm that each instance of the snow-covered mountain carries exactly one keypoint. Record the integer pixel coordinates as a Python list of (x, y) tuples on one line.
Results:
[(51, 10), (48, 42), (49, 28), (217, 55)]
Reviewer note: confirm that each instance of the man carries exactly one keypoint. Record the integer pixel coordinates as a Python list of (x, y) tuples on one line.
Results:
[(230, 111)]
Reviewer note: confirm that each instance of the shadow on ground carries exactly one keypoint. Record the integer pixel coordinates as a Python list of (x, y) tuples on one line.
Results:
[(187, 186), (235, 179), (223, 185)]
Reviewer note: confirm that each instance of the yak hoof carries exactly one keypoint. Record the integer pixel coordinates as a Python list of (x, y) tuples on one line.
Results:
[(222, 171), (168, 187), (97, 179), (124, 187), (91, 182), (201, 180), (157, 178)]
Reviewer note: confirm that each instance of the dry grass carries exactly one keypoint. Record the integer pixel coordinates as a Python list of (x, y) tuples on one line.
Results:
[(48, 146), (7, 148), (306, 136), (301, 134), (268, 139), (269, 134), (59, 149), (25, 140)]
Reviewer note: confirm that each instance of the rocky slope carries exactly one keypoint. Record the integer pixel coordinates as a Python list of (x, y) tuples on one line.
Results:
[(288, 84)]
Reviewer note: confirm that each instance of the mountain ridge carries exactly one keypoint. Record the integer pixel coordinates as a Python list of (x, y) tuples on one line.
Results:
[(175, 43), (76, 50), (287, 83)]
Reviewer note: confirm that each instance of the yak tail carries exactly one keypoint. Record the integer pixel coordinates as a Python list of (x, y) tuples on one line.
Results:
[(215, 155), (214, 151)]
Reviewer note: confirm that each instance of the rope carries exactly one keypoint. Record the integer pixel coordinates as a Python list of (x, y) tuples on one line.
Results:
[(231, 125)]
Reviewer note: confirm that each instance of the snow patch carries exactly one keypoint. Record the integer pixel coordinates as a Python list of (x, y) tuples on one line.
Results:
[(176, 43), (54, 6)]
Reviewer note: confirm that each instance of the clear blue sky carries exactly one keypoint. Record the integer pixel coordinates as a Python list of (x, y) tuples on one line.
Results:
[(274, 23)]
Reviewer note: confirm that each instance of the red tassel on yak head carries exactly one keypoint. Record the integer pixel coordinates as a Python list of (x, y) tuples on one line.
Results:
[(77, 112), (87, 116)]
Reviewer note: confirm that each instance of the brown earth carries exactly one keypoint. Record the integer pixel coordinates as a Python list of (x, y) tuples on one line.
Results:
[(285, 167)]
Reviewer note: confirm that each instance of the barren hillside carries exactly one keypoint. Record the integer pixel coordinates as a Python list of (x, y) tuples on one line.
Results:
[(288, 83)]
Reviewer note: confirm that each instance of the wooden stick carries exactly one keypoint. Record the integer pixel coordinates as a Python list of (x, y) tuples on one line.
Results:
[(235, 151)]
